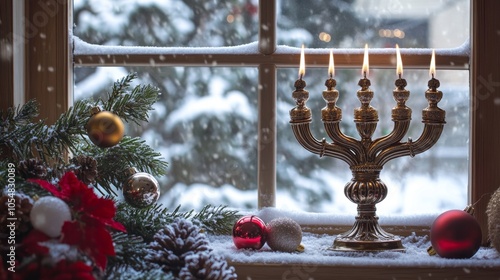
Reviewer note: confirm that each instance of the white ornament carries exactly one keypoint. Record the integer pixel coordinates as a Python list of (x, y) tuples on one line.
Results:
[(49, 214), (284, 234)]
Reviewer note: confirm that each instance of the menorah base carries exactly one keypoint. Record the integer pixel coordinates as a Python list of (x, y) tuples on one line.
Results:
[(366, 235), (349, 245)]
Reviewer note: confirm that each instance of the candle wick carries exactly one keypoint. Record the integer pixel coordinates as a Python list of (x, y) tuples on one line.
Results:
[(432, 75), (300, 77), (364, 74), (399, 74)]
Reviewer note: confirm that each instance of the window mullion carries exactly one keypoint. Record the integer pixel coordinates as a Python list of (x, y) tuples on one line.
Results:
[(266, 148)]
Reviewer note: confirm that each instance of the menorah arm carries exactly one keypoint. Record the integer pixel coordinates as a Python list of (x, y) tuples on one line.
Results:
[(429, 137), (338, 137), (303, 134), (397, 133)]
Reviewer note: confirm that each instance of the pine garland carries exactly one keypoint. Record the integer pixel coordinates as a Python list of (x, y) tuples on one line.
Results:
[(31, 143)]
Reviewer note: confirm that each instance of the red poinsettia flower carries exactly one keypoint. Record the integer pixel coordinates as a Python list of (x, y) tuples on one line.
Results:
[(91, 216), (82, 200), (31, 243)]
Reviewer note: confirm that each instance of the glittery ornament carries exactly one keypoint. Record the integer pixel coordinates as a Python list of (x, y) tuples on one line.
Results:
[(284, 234), (493, 213), (455, 234), (141, 189), (104, 128), (249, 232), (49, 214)]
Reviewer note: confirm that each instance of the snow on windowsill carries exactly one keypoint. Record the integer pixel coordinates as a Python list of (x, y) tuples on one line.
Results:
[(317, 253), (317, 245)]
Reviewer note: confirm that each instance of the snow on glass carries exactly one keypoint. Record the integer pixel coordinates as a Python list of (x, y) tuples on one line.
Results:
[(205, 124)]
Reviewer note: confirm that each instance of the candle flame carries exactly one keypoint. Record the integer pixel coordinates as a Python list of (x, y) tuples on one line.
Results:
[(302, 68), (364, 70), (399, 63), (432, 69), (331, 68)]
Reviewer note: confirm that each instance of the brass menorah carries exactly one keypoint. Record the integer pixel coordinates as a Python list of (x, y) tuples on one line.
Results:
[(366, 157)]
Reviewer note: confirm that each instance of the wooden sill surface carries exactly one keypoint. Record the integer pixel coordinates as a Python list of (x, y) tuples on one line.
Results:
[(297, 271)]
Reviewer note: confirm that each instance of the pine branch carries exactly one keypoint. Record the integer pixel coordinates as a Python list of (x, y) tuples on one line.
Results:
[(20, 115), (130, 252), (114, 161), (119, 88), (134, 105), (147, 221), (216, 220), (131, 274)]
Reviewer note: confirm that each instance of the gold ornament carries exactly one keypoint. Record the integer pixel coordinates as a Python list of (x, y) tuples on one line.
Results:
[(104, 128), (141, 189)]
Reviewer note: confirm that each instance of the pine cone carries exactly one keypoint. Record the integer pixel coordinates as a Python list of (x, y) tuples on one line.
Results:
[(85, 168), (174, 243), (32, 168), (22, 209), (207, 266)]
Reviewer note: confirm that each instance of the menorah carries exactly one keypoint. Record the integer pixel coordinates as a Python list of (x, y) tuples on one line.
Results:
[(366, 157)]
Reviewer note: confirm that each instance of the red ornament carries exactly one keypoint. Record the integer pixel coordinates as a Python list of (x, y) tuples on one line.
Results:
[(249, 232), (456, 234)]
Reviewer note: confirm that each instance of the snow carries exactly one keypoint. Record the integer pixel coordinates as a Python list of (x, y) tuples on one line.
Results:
[(84, 48), (101, 78), (317, 253), (216, 103)]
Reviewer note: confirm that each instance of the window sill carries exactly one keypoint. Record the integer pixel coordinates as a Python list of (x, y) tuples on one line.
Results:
[(317, 262)]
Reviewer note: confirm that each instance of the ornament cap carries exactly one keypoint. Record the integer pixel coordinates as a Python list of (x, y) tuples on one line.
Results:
[(300, 248), (95, 110), (131, 171)]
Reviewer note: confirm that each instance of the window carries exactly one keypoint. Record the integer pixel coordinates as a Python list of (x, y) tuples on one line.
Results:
[(484, 151), (210, 152)]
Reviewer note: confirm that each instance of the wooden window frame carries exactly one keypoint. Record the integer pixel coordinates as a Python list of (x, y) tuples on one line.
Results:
[(54, 90)]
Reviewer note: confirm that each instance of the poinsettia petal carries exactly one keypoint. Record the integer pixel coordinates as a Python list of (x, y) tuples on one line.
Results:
[(72, 233), (31, 243), (49, 187)]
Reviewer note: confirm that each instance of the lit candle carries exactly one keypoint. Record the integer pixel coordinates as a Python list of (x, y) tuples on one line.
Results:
[(331, 83), (299, 83), (399, 63), (433, 82), (331, 68), (432, 68), (364, 70), (364, 83), (400, 82), (302, 67)]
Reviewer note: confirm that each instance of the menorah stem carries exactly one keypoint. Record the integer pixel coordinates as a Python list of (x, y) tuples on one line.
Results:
[(366, 190)]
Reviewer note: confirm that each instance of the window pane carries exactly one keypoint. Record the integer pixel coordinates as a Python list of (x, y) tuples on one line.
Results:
[(173, 23), (383, 23), (431, 182), (204, 125)]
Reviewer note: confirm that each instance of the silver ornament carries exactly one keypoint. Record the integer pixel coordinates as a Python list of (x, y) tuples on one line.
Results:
[(284, 234), (141, 189)]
